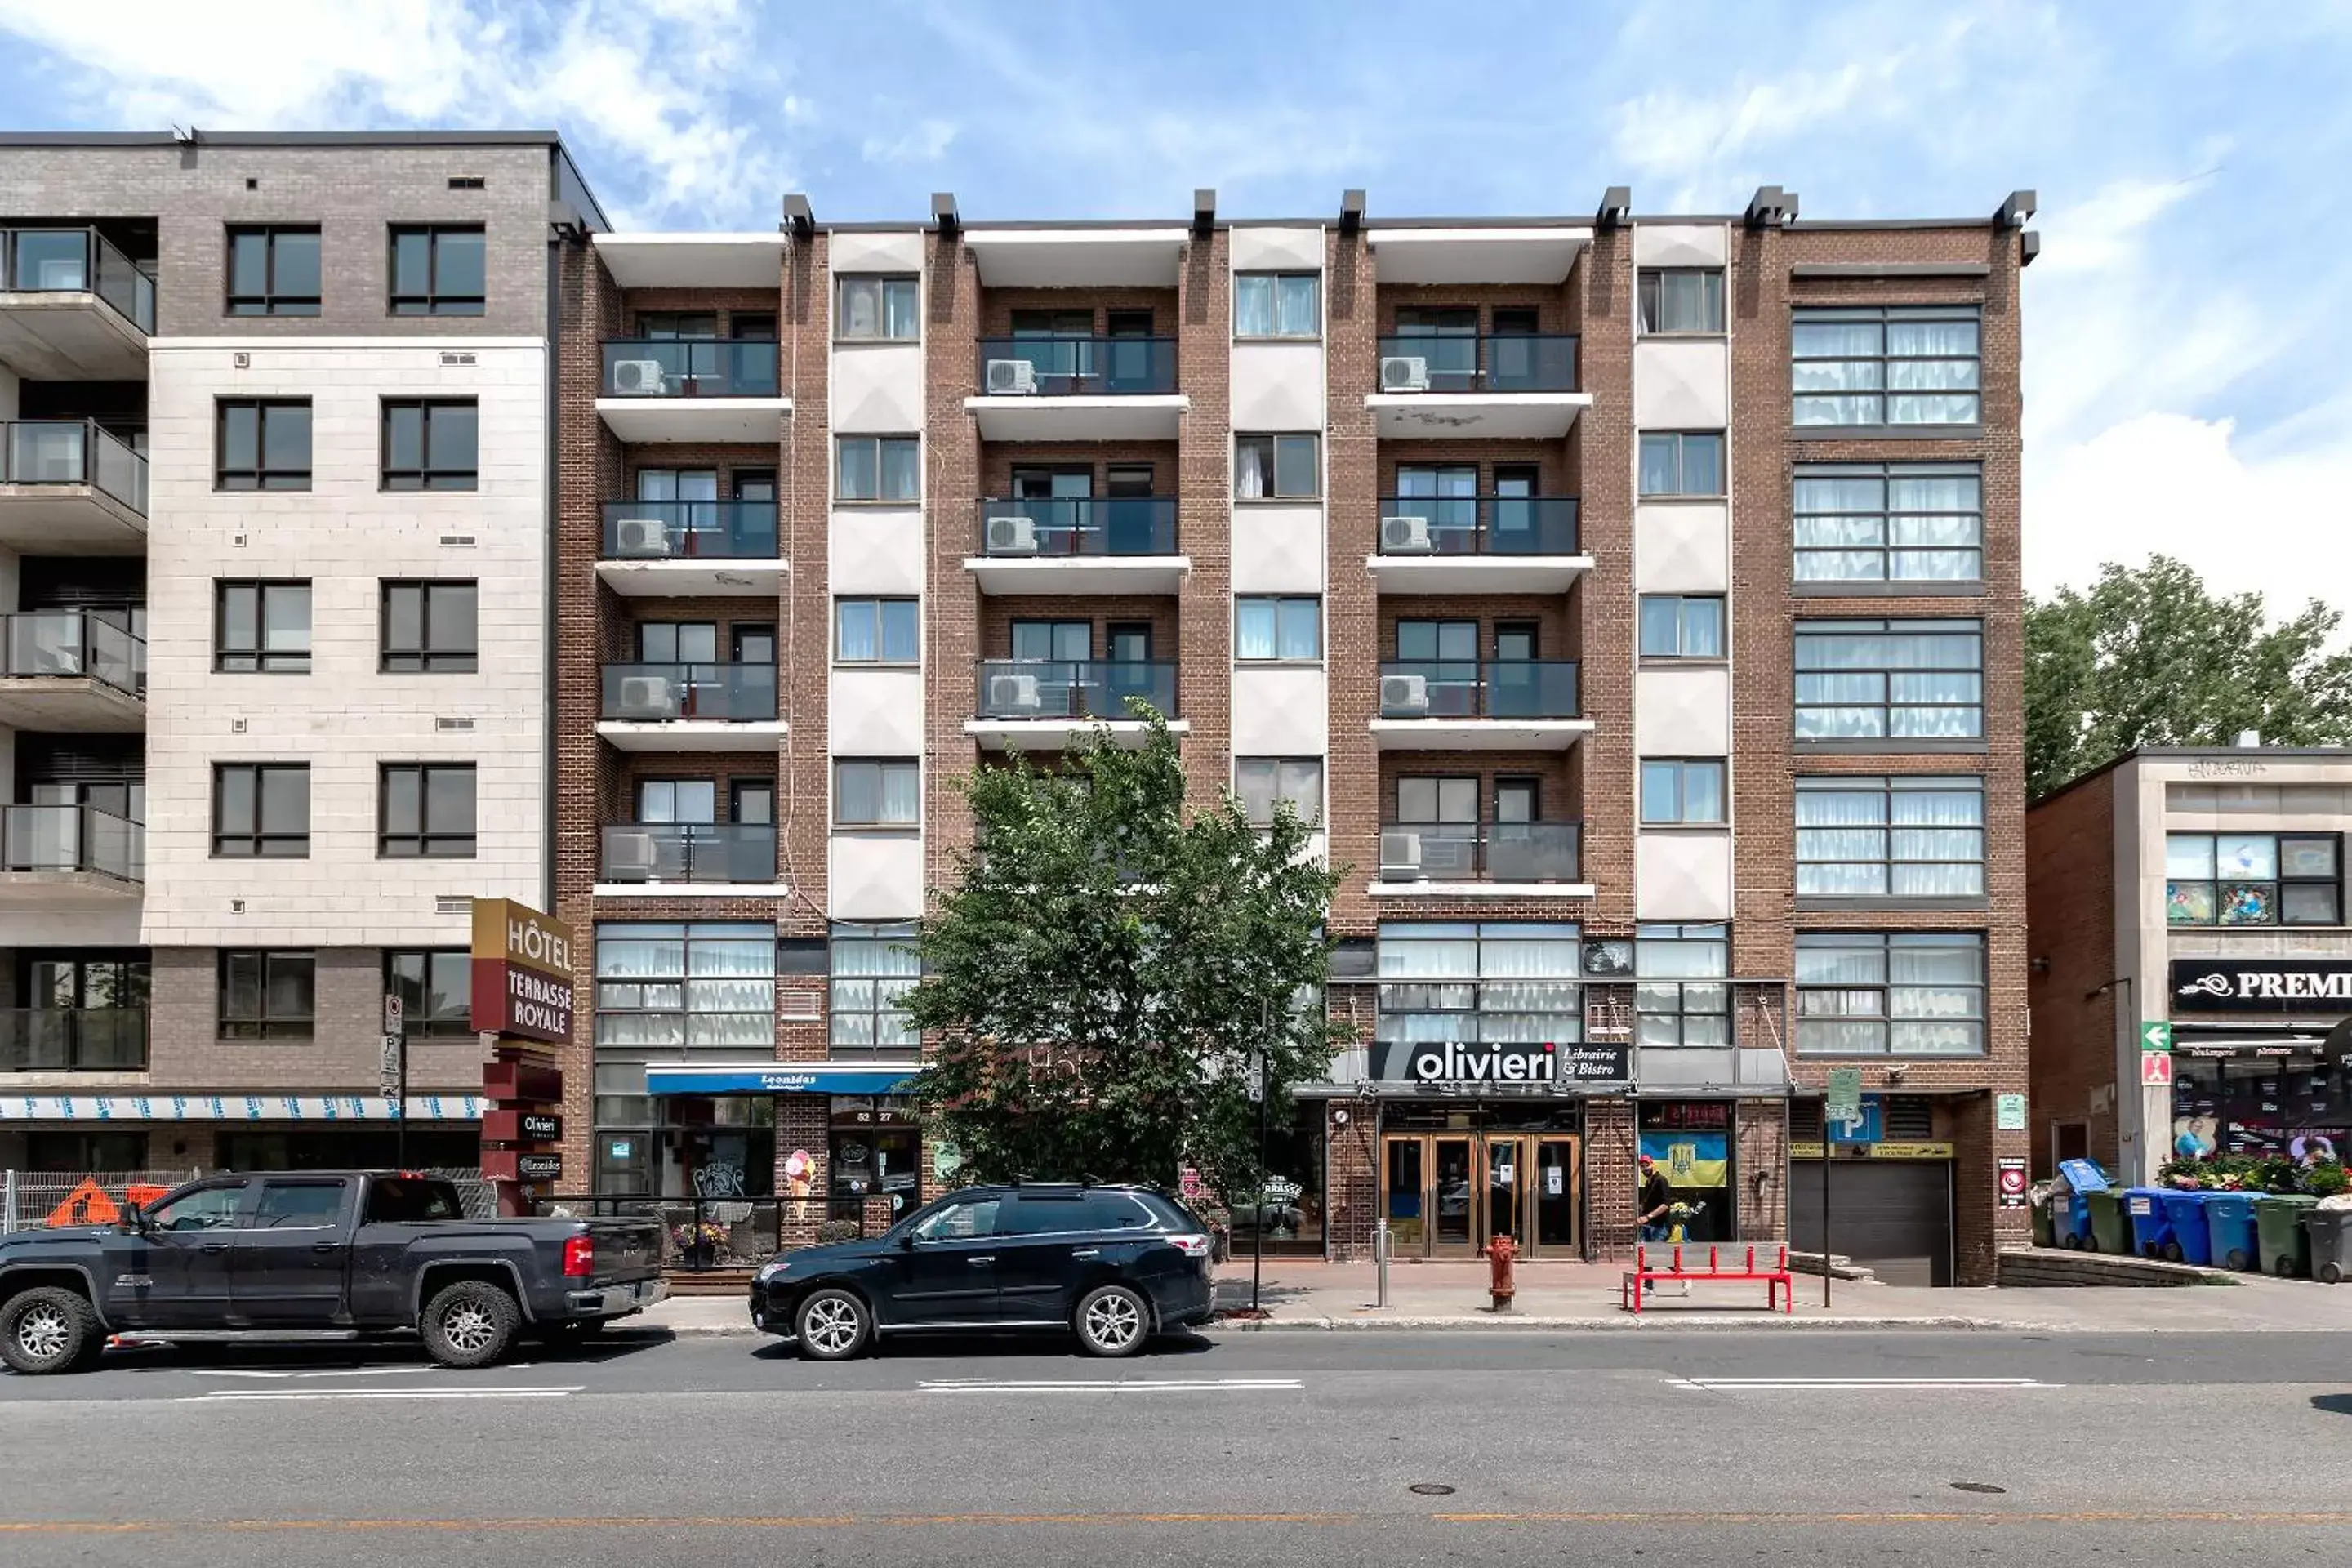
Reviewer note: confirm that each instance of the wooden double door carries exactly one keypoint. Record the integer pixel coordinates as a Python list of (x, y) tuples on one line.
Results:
[(1446, 1194)]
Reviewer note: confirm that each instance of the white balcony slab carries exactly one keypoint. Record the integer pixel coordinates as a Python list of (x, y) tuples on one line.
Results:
[(693, 261), (1481, 889), (1475, 415), (1056, 734), (1476, 573), (656, 419), (1478, 734), (1141, 258), (692, 579), (691, 734), (1140, 416), (71, 520), (71, 703), (53, 335), (1078, 573), (1474, 254)]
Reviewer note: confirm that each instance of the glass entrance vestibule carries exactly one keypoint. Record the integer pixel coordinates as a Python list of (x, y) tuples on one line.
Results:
[(1453, 1179)]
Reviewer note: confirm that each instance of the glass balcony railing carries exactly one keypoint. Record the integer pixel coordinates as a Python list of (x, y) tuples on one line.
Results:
[(1481, 851), (1074, 689), (73, 452), (71, 645), (72, 839), (77, 262), (691, 367), (743, 693), (1058, 365), (689, 852), (1473, 689), (1097, 526), (690, 530), (1478, 525), (1457, 362), (73, 1039)]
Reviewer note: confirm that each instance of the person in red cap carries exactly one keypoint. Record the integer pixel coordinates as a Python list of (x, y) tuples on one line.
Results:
[(1655, 1208)]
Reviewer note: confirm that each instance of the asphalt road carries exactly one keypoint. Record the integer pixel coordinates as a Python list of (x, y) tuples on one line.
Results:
[(1698, 1448)]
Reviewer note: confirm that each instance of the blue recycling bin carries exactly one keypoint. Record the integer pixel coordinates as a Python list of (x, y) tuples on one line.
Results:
[(2230, 1230), (2150, 1222), (2192, 1240), (2070, 1219)]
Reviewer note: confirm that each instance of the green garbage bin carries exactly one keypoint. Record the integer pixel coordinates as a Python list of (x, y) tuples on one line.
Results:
[(2044, 1233), (2110, 1227), (2278, 1233)]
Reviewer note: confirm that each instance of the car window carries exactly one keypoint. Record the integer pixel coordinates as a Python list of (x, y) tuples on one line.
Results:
[(959, 1221), (209, 1209), (1113, 1211), (395, 1200), (1032, 1214), (297, 1205)]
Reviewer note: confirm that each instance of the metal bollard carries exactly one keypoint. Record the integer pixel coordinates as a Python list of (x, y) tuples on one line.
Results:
[(1381, 1262)]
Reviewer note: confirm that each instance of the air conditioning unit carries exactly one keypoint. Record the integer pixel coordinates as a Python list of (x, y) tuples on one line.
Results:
[(643, 536), (1013, 694), (643, 377), (1400, 854), (649, 697), (1012, 375), (1404, 372), (1013, 534), (1404, 534), (1404, 694), (629, 858)]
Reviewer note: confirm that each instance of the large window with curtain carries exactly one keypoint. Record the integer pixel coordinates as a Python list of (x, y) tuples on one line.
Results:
[(1892, 679), (1891, 838), (675, 984), (874, 967), (1508, 981), (1682, 994), (1877, 364), (1889, 522), (1905, 994), (1277, 304)]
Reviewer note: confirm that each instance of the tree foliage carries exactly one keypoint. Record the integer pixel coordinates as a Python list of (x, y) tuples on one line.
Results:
[(1100, 977), (2149, 658)]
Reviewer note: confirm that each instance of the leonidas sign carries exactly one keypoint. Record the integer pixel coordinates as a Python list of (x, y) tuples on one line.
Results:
[(522, 971), (2262, 985)]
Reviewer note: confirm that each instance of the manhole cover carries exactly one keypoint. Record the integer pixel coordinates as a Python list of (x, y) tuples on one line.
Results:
[(1431, 1489), (1986, 1487)]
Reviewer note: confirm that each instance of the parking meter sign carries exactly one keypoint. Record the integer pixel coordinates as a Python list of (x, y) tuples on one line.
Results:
[(1844, 1095)]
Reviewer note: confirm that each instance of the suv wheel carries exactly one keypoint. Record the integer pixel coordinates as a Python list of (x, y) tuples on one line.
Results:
[(832, 1325), (470, 1324), (49, 1330), (1112, 1321)]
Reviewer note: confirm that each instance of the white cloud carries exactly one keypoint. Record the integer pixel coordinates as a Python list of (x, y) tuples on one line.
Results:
[(926, 142)]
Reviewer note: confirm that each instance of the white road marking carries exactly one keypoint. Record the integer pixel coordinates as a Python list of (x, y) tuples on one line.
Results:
[(1747, 1385), (1106, 1385), (316, 1394), (336, 1371)]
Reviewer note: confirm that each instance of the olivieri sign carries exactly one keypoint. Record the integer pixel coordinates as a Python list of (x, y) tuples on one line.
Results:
[(522, 973)]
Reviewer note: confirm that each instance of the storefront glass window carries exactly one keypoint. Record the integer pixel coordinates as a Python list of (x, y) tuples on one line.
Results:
[(1680, 998), (2274, 1104), (682, 1146), (2253, 879), (1690, 1141), (877, 1150), (704, 984)]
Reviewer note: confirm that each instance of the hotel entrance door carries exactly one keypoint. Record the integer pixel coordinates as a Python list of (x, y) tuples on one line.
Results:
[(1446, 1194)]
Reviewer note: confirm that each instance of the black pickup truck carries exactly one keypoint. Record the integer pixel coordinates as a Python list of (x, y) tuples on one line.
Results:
[(343, 1255)]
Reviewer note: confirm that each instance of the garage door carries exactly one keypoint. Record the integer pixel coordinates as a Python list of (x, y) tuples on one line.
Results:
[(1893, 1217)]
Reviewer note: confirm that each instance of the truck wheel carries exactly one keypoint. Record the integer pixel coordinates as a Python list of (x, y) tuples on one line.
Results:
[(49, 1330), (470, 1323), (832, 1325), (1112, 1321)]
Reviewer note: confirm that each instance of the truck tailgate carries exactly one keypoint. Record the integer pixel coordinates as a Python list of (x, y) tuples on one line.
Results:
[(626, 1250)]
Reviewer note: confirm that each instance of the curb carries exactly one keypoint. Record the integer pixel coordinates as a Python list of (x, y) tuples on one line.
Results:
[(1654, 1322)]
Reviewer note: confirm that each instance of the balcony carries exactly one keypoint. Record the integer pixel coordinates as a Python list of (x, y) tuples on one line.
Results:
[(1454, 386), (1109, 544), (1040, 704), (690, 708), (1078, 388), (1468, 705), (701, 548), (71, 670), (73, 1039), (1473, 859), (691, 389), (1477, 544), (72, 307), (68, 487), (69, 856), (677, 859)]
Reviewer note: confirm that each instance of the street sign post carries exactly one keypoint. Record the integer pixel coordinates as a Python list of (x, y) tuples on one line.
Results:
[(1845, 1094)]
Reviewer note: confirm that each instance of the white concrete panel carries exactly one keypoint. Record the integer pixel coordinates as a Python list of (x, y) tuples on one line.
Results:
[(878, 388), (875, 877), (876, 550), (1273, 250), (1682, 875), (1681, 547), (1683, 713), (901, 252), (1280, 713), (876, 713), (1680, 245), (1277, 549), (1682, 385), (1277, 386)]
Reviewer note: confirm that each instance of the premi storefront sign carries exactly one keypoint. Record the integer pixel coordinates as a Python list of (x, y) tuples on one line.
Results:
[(1463, 1064), (522, 973), (2262, 985)]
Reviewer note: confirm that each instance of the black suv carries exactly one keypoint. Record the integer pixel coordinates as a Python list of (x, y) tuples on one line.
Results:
[(1112, 1264)]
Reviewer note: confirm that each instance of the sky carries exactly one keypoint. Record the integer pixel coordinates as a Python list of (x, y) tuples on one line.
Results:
[(2190, 156)]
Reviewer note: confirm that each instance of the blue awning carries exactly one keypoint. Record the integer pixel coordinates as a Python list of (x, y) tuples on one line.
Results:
[(777, 1078)]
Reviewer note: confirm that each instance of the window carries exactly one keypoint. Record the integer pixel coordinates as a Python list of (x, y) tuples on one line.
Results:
[(273, 271), (1889, 522), (1428, 641), (968, 1221), (266, 996), (1891, 365), (1438, 800), (297, 1205), (427, 812), (1277, 628), (676, 985), (876, 631), (877, 310), (435, 992), (264, 444), (207, 1208), (429, 627), (1277, 305), (1278, 467), (1681, 300), (1265, 782), (1682, 625), (261, 810), (1902, 838), (2254, 880), (1912, 680), (878, 468), (874, 967), (1512, 982), (1681, 463), (878, 793), (1910, 994), (261, 627), (430, 446), (395, 1200), (1676, 789), (437, 270), (1680, 997)]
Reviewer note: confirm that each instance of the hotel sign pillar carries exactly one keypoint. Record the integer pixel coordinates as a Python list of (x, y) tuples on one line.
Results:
[(521, 1009)]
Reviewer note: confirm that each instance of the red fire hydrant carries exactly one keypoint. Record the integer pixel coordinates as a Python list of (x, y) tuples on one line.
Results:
[(1501, 1284)]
